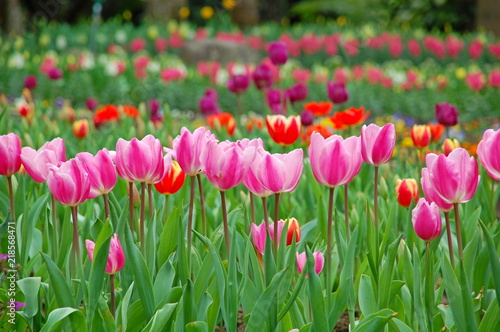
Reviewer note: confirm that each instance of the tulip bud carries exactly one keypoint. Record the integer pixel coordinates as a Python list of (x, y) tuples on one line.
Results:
[(30, 82), (450, 145), (283, 130), (407, 191), (91, 104), (319, 261), (81, 128), (420, 135), (293, 230), (10, 154), (278, 53), (262, 77), (337, 92), (436, 131), (446, 114), (238, 84), (173, 180), (297, 92), (306, 118), (116, 256), (426, 220)]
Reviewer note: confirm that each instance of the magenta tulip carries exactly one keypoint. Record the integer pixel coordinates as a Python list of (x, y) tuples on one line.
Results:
[(259, 236), (10, 154), (454, 178), (306, 118), (278, 53), (297, 92), (116, 257), (344, 154), (238, 84), (226, 163), (30, 82), (69, 183), (337, 92), (431, 195), (208, 104), (377, 143), (446, 114), (101, 170), (262, 77), (488, 152), (188, 147), (279, 173), (426, 220), (37, 162), (141, 160), (319, 261)]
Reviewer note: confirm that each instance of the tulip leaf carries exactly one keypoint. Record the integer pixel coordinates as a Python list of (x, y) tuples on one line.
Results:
[(197, 327), (318, 306), (202, 305), (30, 287), (28, 227), (494, 259), (453, 291), (375, 321), (367, 302), (61, 289), (163, 283), (75, 317), (98, 267), (160, 318), (123, 306), (491, 319)]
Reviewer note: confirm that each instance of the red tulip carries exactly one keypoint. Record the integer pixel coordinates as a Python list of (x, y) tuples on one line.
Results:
[(293, 230), (450, 145), (407, 191), (81, 128), (420, 135), (172, 181), (436, 131), (283, 130)]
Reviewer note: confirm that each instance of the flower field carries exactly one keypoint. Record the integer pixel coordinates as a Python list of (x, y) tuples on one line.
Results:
[(347, 181)]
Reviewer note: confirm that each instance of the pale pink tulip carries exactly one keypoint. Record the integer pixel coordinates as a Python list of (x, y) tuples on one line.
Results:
[(430, 193), (251, 182), (426, 220), (101, 170), (259, 236), (319, 261), (281, 224), (116, 257), (69, 183), (454, 178), (279, 173), (10, 152), (37, 162), (335, 161), (377, 143), (488, 152)]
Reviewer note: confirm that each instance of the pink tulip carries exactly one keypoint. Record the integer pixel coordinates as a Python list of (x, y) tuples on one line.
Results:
[(488, 152), (494, 78), (377, 143), (141, 160), (226, 163), (454, 178), (319, 261), (251, 182), (116, 257), (475, 81), (101, 170), (37, 162), (279, 173), (281, 224), (188, 147), (426, 220), (10, 152), (344, 154), (431, 195), (259, 236), (69, 183)]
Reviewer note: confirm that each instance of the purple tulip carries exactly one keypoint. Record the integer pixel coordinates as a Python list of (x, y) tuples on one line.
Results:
[(30, 82), (208, 104), (91, 103), (337, 92), (238, 84), (278, 53), (306, 118), (446, 114), (263, 77), (297, 92), (55, 73)]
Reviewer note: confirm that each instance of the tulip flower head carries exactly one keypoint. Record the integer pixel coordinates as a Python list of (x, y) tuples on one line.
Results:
[(293, 230), (334, 150), (101, 171), (283, 130), (279, 173), (188, 147), (81, 128), (259, 237), (488, 152), (306, 118), (173, 180), (116, 257), (297, 92), (141, 160), (251, 182), (407, 191), (446, 114), (36, 162), (453, 177), (436, 131), (69, 183), (421, 135), (449, 145), (10, 154), (238, 84), (426, 220), (278, 53), (431, 195), (337, 92), (319, 261), (262, 77), (377, 143)]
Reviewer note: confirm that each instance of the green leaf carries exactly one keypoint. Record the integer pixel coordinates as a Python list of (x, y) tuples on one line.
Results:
[(160, 318), (168, 238), (367, 300), (60, 287), (141, 273), (494, 260), (197, 327), (454, 292), (491, 320), (315, 288), (75, 317), (30, 287), (163, 282), (375, 321), (28, 226), (124, 306)]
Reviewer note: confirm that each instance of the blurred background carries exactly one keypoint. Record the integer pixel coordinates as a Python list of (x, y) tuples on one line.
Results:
[(16, 16)]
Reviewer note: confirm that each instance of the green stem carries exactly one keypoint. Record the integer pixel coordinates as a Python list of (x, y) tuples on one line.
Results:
[(55, 224), (266, 214), (227, 238), (450, 240), (202, 202), (276, 214), (239, 98), (252, 207), (165, 210), (112, 293), (346, 211), (131, 205), (459, 232), (141, 220), (190, 222), (150, 198), (375, 204), (429, 285), (329, 248), (76, 240), (493, 207), (11, 198), (106, 206)]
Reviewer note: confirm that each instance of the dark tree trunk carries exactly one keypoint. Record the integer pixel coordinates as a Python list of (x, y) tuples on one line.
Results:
[(246, 13), (14, 20), (161, 10), (488, 12)]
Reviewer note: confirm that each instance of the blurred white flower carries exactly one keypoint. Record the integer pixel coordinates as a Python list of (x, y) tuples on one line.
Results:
[(16, 61), (61, 42)]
